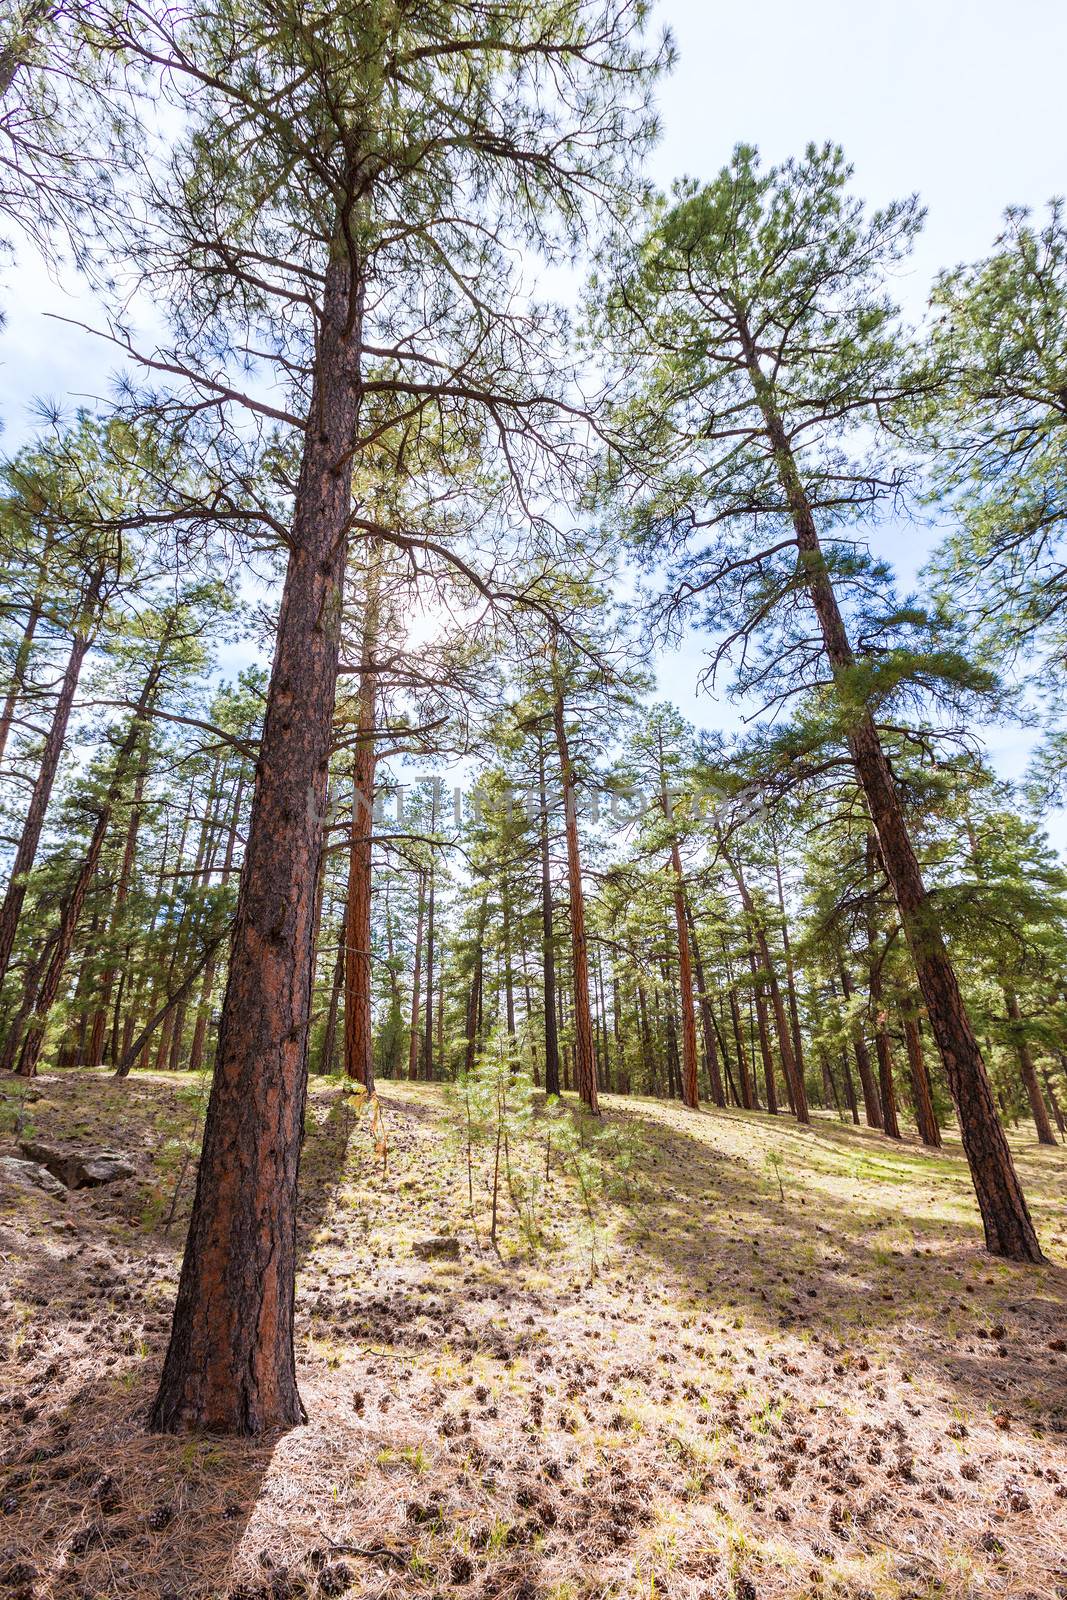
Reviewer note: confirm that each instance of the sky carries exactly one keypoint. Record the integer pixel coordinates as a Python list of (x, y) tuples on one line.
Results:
[(959, 100)]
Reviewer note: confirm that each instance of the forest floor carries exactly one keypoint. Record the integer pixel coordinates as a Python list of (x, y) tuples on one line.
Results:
[(762, 1361)]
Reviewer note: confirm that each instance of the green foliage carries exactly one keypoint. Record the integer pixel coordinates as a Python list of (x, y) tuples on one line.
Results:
[(557, 1167)]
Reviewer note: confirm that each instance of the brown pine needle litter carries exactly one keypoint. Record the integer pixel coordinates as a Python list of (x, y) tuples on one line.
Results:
[(721, 1394)]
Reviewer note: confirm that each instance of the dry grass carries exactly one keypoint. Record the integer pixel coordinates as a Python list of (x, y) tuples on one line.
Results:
[(840, 1395)]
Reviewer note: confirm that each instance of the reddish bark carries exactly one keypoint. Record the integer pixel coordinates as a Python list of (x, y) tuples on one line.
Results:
[(230, 1365), (584, 1058), (416, 981), (548, 938), (30, 837), (1006, 1220), (872, 1104), (797, 1093), (711, 1050), (359, 1030), (742, 1057), (761, 1031), (922, 1098), (1027, 1071)]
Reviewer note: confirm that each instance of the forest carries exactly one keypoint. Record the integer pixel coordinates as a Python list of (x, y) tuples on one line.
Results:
[(533, 1017)]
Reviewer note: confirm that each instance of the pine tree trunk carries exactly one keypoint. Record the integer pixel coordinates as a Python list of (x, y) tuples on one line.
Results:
[(872, 1105), (230, 1365), (584, 1059), (416, 980), (359, 1028), (797, 1093), (707, 1020), (203, 1013), (1027, 1072), (742, 1058), (548, 940), (761, 1029), (925, 1119), (22, 655), (1006, 1220), (73, 899), (30, 837), (1054, 1102)]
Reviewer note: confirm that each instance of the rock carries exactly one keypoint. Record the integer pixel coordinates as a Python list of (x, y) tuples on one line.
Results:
[(30, 1175), (442, 1248), (79, 1169)]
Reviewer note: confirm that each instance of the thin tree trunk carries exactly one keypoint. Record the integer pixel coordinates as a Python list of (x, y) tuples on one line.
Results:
[(203, 1016), (359, 1029), (584, 1059), (548, 941), (328, 1060), (427, 1053), (1053, 1101), (1025, 1058), (416, 980), (790, 975), (30, 837), (872, 1105), (925, 1119), (707, 1020), (797, 1093), (21, 663), (74, 897), (742, 1057)]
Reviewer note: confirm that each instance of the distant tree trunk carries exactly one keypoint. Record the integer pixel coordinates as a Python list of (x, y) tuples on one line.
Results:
[(203, 1016), (790, 975), (925, 1119), (34, 613), (829, 1085), (797, 1095), (416, 979), (165, 1009), (359, 1030), (328, 1059), (670, 1024), (584, 1059), (648, 1066), (1053, 1101), (427, 1039), (872, 1105), (30, 837), (474, 998), (118, 904), (621, 1075), (602, 1057), (73, 898), (742, 1058), (707, 1020), (1025, 1058), (761, 1030), (878, 1017), (850, 1088), (230, 1365), (548, 943), (724, 1048)]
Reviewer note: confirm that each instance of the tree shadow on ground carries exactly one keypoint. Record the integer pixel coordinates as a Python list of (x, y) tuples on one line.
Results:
[(92, 1503), (882, 1250)]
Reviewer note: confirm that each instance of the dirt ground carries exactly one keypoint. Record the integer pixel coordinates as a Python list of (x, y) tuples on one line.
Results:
[(775, 1362)]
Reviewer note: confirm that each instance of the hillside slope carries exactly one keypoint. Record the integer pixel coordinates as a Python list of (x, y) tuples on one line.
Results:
[(747, 1359)]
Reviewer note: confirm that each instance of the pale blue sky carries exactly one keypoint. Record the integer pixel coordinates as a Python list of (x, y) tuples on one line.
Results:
[(962, 100)]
